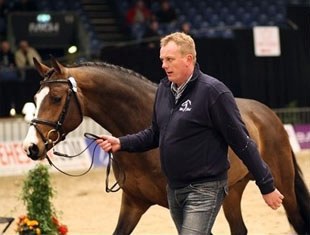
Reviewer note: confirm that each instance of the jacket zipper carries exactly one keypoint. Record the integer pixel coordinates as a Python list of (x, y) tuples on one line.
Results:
[(171, 112)]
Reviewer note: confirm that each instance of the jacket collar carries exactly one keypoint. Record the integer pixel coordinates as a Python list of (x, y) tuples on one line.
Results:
[(196, 72)]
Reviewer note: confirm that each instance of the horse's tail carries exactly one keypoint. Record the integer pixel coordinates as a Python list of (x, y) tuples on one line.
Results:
[(302, 195)]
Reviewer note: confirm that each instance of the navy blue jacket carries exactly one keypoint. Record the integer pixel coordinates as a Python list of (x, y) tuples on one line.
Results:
[(193, 135)]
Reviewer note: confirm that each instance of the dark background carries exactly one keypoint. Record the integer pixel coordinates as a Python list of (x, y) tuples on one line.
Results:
[(276, 81)]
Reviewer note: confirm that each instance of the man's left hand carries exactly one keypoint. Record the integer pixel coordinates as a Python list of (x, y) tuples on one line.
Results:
[(274, 199)]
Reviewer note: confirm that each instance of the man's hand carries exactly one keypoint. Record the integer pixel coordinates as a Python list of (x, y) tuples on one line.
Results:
[(109, 143), (274, 199)]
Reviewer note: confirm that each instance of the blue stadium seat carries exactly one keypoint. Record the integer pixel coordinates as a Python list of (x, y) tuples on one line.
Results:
[(218, 5), (191, 12), (182, 18), (203, 26), (272, 10), (222, 14), (254, 23), (247, 19), (196, 22), (227, 33), (172, 27), (95, 47), (9, 74), (262, 19), (239, 24), (230, 20), (248, 5), (264, 4), (44, 5), (74, 5), (255, 12), (214, 20), (162, 29), (207, 12), (60, 6), (279, 18), (232, 5), (202, 5), (212, 33), (240, 11), (137, 31), (184, 6), (155, 6)]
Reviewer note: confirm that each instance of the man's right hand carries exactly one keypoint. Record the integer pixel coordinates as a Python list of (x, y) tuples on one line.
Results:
[(109, 143)]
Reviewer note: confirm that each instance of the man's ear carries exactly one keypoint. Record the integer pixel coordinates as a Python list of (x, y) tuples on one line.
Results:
[(189, 58)]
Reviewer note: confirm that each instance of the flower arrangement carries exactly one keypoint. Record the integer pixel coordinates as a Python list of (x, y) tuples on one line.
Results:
[(27, 226), (37, 193), (61, 228)]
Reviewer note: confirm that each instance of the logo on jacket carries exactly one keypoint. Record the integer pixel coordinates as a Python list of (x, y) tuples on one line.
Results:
[(186, 106)]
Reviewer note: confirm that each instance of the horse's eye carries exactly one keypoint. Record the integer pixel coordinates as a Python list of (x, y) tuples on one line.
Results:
[(56, 99)]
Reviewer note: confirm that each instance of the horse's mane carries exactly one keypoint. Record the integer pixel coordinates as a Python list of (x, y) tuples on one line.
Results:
[(114, 68)]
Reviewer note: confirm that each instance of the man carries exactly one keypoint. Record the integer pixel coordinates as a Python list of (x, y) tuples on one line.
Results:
[(25, 54), (195, 118), (7, 59)]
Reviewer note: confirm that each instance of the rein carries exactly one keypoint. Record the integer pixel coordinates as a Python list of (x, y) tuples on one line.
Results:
[(110, 160)]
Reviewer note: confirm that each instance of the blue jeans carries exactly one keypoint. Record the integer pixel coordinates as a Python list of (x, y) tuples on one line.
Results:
[(195, 207)]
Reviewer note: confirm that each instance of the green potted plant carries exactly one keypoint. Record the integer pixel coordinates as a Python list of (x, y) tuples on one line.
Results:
[(37, 194)]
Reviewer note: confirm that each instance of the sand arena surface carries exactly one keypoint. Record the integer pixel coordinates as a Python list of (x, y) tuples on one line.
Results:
[(88, 210)]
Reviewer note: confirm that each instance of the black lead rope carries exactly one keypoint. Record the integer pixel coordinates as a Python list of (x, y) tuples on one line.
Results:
[(93, 137)]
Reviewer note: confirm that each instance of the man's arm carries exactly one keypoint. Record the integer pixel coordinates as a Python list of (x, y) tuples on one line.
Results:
[(139, 142), (227, 119)]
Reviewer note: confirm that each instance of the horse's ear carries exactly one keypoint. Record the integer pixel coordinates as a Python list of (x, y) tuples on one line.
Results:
[(57, 66), (41, 68)]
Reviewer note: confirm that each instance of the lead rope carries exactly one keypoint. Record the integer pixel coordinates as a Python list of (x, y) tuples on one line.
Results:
[(110, 160)]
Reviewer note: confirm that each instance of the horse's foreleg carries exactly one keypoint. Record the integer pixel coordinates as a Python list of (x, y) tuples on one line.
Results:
[(232, 208), (131, 211)]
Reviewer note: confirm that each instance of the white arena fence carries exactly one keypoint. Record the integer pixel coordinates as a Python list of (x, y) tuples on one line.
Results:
[(14, 161)]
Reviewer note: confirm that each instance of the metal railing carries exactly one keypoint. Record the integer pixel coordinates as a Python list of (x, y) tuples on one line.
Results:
[(15, 129), (294, 115)]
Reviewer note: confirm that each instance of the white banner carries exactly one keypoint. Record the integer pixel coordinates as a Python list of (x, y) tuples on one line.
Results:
[(14, 161), (266, 41), (292, 137)]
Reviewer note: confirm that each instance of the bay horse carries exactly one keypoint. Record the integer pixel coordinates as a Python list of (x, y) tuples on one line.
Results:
[(121, 101)]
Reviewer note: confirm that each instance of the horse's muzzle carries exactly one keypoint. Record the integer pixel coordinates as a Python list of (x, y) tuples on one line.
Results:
[(33, 152)]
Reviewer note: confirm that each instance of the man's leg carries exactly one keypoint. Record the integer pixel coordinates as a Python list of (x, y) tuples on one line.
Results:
[(175, 208), (201, 207)]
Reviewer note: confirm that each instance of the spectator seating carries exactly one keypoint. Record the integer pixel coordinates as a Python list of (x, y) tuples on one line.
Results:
[(208, 18), (222, 16)]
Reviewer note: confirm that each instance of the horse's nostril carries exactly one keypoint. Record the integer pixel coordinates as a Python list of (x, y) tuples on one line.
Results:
[(33, 152)]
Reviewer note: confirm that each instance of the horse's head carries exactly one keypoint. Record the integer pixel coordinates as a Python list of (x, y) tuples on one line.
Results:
[(58, 109)]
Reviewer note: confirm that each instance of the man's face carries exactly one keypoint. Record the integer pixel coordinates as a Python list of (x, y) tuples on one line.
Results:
[(23, 45), (5, 46), (176, 65)]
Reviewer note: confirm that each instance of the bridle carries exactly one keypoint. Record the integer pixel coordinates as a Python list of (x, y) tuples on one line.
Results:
[(58, 125), (61, 135)]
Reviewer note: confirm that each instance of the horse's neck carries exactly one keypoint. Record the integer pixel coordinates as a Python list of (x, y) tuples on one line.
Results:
[(116, 106)]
